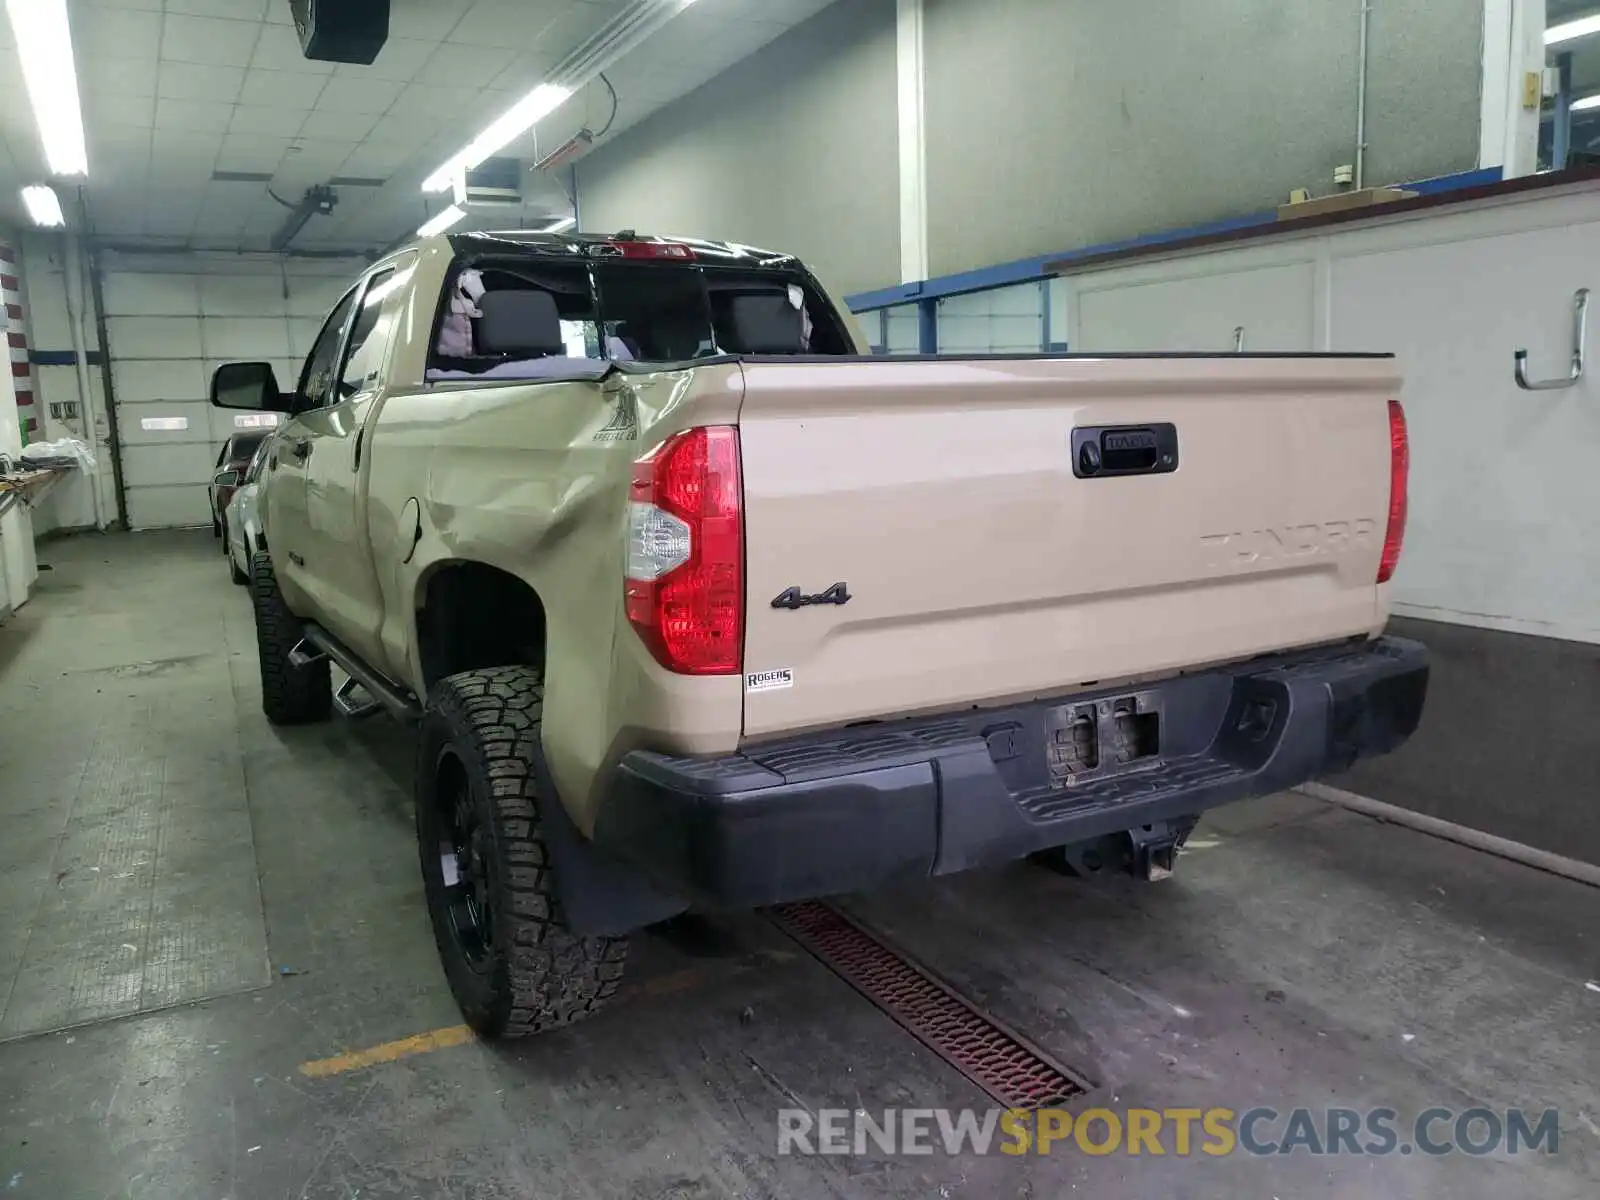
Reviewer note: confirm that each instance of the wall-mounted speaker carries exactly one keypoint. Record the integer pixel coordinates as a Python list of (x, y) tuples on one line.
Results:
[(346, 31)]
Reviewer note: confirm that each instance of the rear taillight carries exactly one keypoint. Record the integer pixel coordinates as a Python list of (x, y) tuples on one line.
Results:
[(685, 572), (1399, 471)]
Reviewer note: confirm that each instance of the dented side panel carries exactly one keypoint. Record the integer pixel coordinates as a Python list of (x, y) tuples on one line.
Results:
[(532, 479)]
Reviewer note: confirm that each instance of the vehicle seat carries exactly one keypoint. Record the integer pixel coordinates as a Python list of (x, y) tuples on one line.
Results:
[(518, 323), (765, 323)]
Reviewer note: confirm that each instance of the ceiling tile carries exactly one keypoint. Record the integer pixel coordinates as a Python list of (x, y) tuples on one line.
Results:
[(400, 59), (429, 20), (278, 49), (194, 81), (421, 98), (408, 129), (358, 95), (102, 112), (279, 122), (192, 114), (323, 123), (119, 77), (281, 89), (454, 65), (377, 160), (242, 10), (251, 152), (504, 23), (184, 143), (101, 32), (208, 40)]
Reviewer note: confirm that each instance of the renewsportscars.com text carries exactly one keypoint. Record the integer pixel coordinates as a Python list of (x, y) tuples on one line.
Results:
[(1176, 1131)]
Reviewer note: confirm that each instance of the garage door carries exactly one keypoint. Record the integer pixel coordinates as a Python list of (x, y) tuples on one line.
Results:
[(168, 329)]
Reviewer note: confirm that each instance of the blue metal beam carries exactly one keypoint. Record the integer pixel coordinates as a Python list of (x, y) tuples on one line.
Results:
[(1561, 130), (928, 326), (1025, 269)]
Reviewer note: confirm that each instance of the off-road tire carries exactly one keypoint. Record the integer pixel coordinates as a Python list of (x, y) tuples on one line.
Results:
[(480, 733), (290, 695)]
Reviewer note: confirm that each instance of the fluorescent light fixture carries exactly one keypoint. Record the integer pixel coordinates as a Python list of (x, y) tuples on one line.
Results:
[(560, 226), (44, 206), (517, 120), (44, 46), (1586, 103), (441, 221), (1556, 34)]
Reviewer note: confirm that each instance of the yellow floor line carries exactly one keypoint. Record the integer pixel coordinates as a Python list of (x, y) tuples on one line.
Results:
[(421, 1043), (671, 984)]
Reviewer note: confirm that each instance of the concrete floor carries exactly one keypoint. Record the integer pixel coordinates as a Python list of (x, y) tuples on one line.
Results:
[(264, 906), (1508, 743)]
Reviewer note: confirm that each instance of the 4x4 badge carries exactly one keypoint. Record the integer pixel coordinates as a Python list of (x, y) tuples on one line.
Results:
[(795, 598)]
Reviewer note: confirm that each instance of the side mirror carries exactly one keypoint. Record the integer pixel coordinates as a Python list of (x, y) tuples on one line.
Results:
[(250, 385), (226, 479)]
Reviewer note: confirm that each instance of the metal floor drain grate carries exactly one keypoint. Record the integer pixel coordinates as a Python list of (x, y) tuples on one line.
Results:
[(1007, 1066)]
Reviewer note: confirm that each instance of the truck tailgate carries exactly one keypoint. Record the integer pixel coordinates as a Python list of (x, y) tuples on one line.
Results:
[(979, 567)]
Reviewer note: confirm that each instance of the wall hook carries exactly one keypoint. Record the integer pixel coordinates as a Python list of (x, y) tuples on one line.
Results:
[(1580, 320)]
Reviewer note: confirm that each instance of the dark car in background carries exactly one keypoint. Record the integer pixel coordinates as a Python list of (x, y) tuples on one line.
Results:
[(232, 464)]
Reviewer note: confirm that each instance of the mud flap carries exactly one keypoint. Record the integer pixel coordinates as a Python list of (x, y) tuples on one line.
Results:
[(600, 896)]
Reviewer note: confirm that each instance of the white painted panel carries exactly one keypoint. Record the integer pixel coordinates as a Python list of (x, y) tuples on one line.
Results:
[(139, 380), (1503, 487), (167, 463), (139, 295), (242, 296), (1008, 320), (154, 337), (164, 507), (904, 329), (223, 423), (315, 297), (233, 338), (1200, 310), (135, 418), (303, 333)]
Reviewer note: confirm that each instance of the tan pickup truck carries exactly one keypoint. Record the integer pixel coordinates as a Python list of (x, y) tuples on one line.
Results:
[(700, 605)]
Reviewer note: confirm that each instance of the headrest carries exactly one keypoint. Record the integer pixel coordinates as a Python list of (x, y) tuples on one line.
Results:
[(765, 323), (520, 322)]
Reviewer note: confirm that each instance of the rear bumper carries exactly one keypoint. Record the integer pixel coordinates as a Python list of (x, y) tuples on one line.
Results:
[(843, 810)]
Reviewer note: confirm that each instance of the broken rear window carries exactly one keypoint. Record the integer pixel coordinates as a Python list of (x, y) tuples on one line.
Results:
[(573, 321)]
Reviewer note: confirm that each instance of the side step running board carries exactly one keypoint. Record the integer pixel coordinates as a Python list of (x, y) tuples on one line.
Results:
[(352, 707), (319, 643)]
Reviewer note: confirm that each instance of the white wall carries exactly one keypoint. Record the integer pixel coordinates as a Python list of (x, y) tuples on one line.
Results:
[(1503, 531)]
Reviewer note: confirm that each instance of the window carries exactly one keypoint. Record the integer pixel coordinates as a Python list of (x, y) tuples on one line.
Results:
[(527, 320), (754, 312), (316, 379), (531, 319), (366, 352), (654, 313)]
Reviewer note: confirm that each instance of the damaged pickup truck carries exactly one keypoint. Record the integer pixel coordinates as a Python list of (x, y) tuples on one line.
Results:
[(698, 604)]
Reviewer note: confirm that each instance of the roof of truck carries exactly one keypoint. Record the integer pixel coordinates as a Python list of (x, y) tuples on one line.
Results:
[(610, 245)]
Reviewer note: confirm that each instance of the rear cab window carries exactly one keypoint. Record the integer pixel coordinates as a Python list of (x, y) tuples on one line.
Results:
[(534, 318)]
